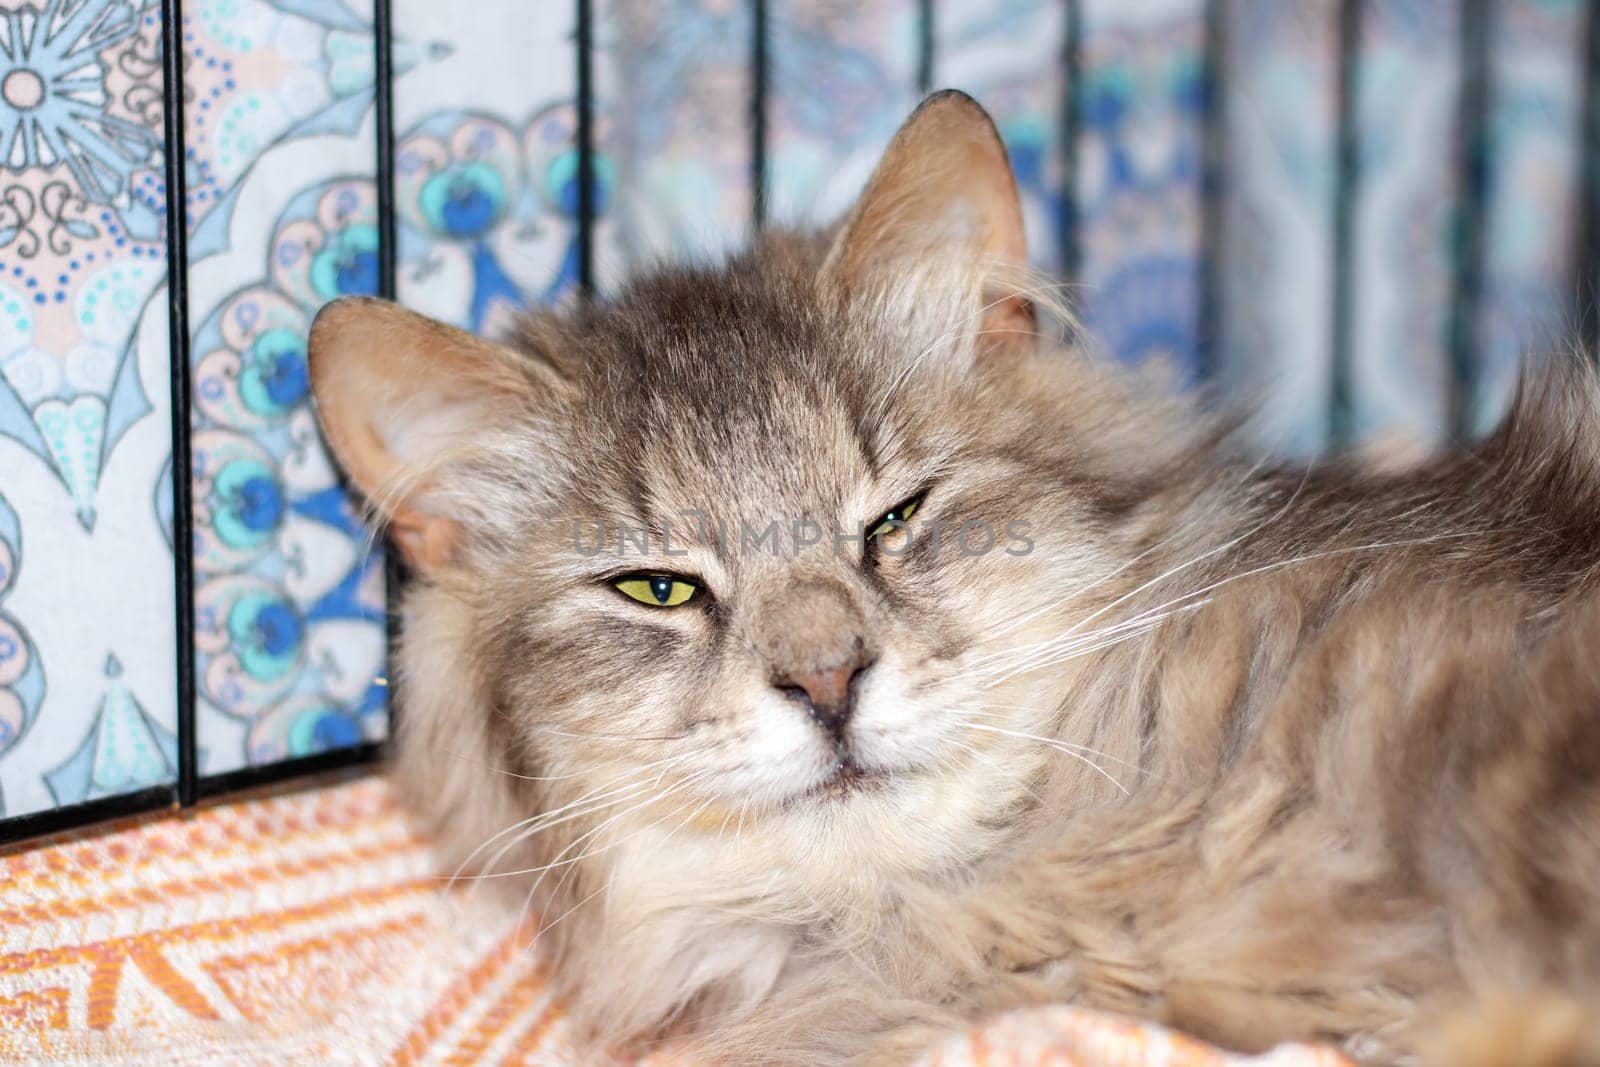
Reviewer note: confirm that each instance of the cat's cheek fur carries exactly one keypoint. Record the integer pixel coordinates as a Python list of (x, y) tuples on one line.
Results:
[(448, 754), (891, 731), (773, 753)]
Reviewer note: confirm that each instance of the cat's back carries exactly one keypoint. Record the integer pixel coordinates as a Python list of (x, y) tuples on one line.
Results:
[(1431, 620), (1386, 712)]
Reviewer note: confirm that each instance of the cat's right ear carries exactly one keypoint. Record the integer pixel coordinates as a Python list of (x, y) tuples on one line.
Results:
[(943, 191), (399, 395)]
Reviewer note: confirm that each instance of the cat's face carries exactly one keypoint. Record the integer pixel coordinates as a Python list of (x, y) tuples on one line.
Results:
[(718, 589), (782, 551)]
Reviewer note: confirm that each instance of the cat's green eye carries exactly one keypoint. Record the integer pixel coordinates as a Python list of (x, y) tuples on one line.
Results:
[(901, 513), (657, 590)]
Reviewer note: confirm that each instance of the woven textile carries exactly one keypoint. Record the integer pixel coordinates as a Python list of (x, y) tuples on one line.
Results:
[(313, 928)]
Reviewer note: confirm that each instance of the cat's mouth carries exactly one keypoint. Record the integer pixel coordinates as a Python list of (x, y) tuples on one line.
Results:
[(845, 778)]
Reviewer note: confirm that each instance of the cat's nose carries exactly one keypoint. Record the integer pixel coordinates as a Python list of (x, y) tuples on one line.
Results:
[(827, 691)]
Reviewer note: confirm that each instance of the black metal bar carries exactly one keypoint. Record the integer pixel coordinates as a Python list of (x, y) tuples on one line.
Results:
[(178, 347), (383, 107), (1071, 127), (388, 287), (1472, 160), (1347, 167), (586, 212), (759, 90), (37, 824), (1586, 258), (272, 773), (1214, 163), (926, 27)]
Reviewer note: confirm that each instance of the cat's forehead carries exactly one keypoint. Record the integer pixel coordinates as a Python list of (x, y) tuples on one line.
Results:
[(731, 393), (785, 440)]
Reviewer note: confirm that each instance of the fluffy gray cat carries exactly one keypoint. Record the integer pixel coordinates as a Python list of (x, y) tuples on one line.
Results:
[(831, 657)]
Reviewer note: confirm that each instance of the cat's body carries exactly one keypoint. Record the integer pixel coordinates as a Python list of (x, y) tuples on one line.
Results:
[(1264, 754)]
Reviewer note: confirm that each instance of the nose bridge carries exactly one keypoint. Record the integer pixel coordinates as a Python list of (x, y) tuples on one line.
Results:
[(810, 623)]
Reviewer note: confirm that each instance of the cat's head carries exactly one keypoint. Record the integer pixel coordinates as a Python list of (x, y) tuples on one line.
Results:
[(763, 567)]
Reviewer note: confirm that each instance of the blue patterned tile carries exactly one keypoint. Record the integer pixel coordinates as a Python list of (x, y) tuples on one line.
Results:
[(1010, 56), (486, 168), (1138, 179), (22, 680), (289, 592), (1277, 216), (843, 77), (673, 88), (1532, 217), (83, 421), (1407, 89)]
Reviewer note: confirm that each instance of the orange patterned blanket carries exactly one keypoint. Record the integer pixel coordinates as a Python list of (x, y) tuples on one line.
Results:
[(312, 928)]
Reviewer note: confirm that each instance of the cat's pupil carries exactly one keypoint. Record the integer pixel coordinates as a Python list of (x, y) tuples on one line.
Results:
[(661, 589)]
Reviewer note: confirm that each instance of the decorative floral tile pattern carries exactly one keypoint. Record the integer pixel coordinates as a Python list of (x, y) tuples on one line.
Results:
[(21, 675), (843, 76), (80, 227), (85, 576), (1277, 215), (259, 74), (1536, 78), (1009, 56), (673, 88), (1138, 178), (282, 159), (486, 169), (1406, 109), (289, 633)]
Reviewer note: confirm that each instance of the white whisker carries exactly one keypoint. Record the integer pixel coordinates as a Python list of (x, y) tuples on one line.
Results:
[(1085, 749), (1058, 746), (585, 804)]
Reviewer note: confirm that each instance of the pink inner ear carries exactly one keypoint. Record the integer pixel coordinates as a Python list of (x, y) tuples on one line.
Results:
[(396, 394), (1010, 321), (428, 542), (944, 183)]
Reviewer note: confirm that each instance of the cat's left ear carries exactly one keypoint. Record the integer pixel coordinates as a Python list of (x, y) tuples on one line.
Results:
[(943, 193), (403, 399)]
